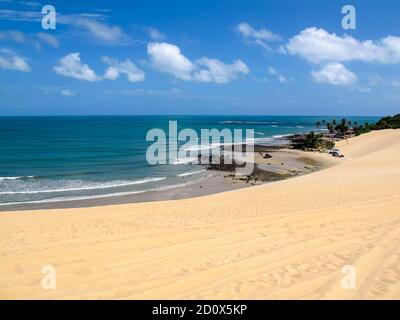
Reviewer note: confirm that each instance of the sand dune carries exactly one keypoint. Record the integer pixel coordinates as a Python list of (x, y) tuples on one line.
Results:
[(288, 239)]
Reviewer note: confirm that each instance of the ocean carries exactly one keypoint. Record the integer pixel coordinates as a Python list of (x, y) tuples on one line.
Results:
[(53, 159)]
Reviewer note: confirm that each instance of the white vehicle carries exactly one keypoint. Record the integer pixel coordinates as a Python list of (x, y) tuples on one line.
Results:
[(334, 150)]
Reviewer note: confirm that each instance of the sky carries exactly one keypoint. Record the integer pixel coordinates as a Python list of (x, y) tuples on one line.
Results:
[(204, 57)]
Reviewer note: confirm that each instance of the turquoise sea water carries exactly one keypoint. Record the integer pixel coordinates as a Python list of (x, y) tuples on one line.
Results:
[(50, 159)]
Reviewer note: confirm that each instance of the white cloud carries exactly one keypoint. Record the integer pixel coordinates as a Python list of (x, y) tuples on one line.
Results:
[(156, 34), (93, 23), (100, 30), (9, 60), (133, 73), (17, 15), (281, 78), (317, 46), (272, 71), (219, 72), (168, 58), (71, 66), (334, 73), (67, 92), (260, 36), (48, 38), (14, 35), (36, 39)]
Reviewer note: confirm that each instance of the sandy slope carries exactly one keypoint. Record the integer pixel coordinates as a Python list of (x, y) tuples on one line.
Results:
[(288, 239)]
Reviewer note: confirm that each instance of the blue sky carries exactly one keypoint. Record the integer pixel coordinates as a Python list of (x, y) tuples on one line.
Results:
[(199, 57)]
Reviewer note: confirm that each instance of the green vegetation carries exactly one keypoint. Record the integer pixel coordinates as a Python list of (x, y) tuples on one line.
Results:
[(311, 141), (390, 122), (340, 130), (345, 127)]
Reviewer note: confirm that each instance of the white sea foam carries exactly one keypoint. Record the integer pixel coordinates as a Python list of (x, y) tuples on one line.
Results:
[(184, 160), (255, 140), (203, 147), (104, 185), (281, 136), (109, 195), (15, 178), (190, 173)]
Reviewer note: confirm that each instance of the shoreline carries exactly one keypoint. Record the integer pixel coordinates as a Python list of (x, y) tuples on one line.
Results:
[(211, 181)]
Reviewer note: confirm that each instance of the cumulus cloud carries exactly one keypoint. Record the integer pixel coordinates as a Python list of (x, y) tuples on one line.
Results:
[(260, 36), (219, 72), (318, 46), (334, 73), (168, 58), (71, 66), (127, 67), (11, 61)]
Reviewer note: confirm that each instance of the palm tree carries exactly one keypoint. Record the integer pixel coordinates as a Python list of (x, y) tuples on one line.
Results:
[(343, 128), (330, 127), (318, 124)]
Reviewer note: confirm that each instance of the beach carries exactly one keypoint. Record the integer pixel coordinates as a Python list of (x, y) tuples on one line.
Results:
[(284, 163), (283, 240), (83, 161)]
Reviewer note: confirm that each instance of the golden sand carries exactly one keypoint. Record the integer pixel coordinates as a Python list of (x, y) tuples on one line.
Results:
[(284, 240)]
